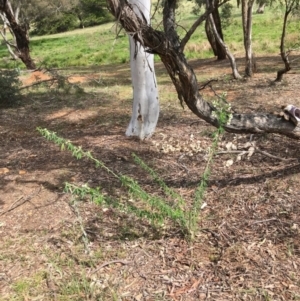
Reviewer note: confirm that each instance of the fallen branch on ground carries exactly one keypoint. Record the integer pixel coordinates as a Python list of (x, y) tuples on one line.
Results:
[(16, 204)]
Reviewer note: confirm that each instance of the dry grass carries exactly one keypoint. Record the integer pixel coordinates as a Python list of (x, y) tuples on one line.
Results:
[(247, 247)]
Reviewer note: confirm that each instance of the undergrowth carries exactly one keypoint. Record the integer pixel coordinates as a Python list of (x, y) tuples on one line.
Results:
[(10, 92), (156, 209)]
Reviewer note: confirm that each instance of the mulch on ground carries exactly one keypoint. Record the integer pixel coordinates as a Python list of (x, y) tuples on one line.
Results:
[(55, 248)]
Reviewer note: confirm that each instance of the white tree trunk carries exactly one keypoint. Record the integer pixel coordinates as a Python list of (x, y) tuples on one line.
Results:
[(145, 109)]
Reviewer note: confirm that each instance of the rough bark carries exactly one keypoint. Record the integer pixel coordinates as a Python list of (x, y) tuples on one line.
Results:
[(283, 53), (211, 37), (192, 29), (20, 33), (231, 57), (197, 23), (247, 7), (221, 54), (184, 79)]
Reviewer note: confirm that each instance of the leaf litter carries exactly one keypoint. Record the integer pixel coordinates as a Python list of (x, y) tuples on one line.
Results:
[(247, 247)]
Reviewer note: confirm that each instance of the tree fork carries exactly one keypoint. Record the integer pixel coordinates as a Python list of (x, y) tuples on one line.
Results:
[(184, 78)]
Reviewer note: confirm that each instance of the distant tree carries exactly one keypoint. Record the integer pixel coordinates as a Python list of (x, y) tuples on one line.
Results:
[(261, 6), (247, 8), (19, 48), (290, 7), (63, 15), (92, 12), (215, 45), (53, 17), (220, 41)]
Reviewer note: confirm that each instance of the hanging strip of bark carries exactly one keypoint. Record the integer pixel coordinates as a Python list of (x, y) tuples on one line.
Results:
[(185, 80)]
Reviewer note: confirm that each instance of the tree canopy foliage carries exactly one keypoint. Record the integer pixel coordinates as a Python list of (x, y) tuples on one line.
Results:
[(48, 17)]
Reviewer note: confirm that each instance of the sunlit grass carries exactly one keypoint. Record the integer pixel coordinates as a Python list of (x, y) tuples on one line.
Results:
[(100, 45)]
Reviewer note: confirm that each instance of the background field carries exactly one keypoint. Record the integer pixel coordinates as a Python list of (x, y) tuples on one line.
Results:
[(106, 44), (55, 248)]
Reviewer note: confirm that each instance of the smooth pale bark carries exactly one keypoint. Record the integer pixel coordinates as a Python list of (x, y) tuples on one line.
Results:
[(184, 79), (145, 109)]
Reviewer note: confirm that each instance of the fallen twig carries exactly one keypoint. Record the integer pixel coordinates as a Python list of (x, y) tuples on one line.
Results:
[(207, 84), (38, 83), (274, 157), (124, 262), (265, 220), (15, 204), (256, 150), (230, 152)]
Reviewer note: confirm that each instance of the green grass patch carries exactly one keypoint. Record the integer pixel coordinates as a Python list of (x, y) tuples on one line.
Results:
[(98, 45)]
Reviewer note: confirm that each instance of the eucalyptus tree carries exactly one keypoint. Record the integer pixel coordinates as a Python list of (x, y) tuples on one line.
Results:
[(261, 6), (225, 48), (247, 12), (290, 7), (166, 44), (145, 109), (19, 48), (210, 32)]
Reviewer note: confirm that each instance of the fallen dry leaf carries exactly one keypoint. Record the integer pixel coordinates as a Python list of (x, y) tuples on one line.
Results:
[(4, 170), (229, 162)]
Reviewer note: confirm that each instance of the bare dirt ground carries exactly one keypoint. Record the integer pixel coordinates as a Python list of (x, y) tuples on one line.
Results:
[(52, 248)]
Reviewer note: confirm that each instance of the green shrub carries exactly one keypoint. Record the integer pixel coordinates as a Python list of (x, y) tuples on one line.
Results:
[(226, 14), (55, 24), (9, 83)]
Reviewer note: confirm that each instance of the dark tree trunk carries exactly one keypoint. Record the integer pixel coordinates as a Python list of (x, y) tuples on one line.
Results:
[(261, 8), (247, 6), (211, 37), (215, 45), (165, 44), (231, 58), (197, 23), (217, 20), (283, 53), (21, 36)]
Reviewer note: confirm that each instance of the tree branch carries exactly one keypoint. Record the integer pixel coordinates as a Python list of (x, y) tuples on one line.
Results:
[(185, 82), (199, 21), (230, 56)]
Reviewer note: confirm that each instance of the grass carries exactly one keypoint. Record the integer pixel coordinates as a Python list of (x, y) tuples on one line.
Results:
[(156, 209), (99, 45)]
